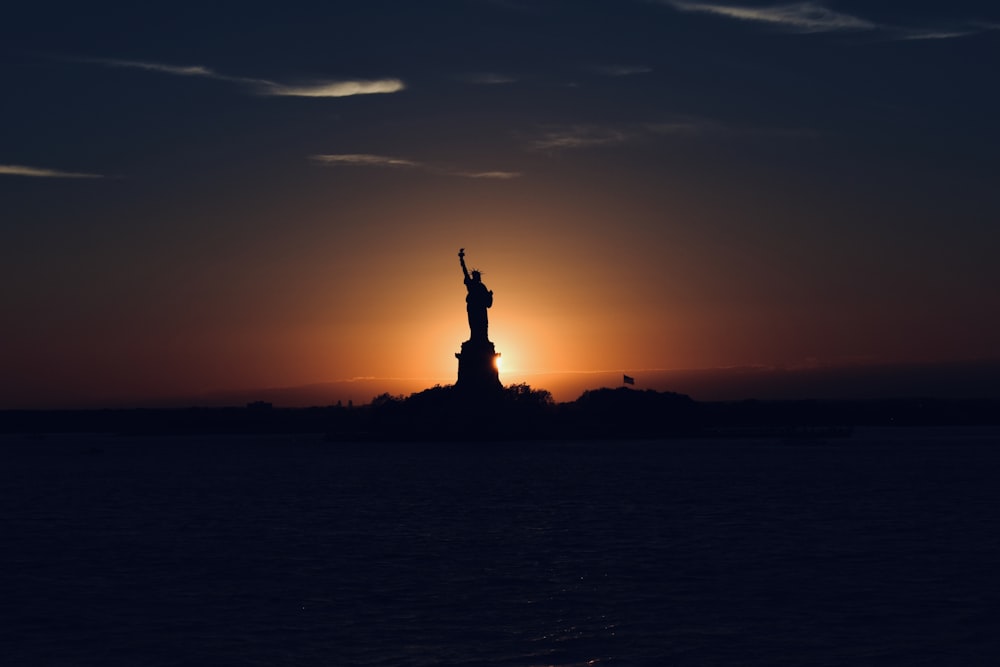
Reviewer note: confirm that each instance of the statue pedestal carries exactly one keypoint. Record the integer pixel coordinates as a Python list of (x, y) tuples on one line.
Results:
[(477, 367)]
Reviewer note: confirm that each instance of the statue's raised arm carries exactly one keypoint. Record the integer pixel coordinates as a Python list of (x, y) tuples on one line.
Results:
[(461, 259)]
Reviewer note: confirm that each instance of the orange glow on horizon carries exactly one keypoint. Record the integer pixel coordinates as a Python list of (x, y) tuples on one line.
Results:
[(371, 287)]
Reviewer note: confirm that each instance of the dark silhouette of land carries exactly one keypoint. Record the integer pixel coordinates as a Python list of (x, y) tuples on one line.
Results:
[(519, 412)]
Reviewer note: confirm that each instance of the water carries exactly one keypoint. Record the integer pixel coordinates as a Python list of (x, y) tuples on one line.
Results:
[(881, 549)]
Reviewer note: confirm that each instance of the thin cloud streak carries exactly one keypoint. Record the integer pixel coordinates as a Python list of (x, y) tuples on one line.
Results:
[(487, 78), (499, 175), (814, 17), (622, 70), (334, 88), (35, 172), (368, 160), (194, 70), (574, 137), (914, 35), (579, 136), (362, 160), (799, 16), (330, 88)]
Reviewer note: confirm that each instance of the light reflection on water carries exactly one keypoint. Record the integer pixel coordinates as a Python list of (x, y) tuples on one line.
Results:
[(880, 549)]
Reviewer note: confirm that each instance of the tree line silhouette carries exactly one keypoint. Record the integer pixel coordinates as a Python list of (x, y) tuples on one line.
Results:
[(520, 412)]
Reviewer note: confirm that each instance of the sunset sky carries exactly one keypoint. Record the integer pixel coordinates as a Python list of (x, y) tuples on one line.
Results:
[(198, 198)]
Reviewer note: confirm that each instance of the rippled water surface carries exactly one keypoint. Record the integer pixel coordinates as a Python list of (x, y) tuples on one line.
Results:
[(879, 549)]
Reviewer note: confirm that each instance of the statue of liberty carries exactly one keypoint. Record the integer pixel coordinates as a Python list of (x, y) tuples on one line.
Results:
[(477, 300)]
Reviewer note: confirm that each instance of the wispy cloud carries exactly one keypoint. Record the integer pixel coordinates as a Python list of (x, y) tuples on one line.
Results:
[(917, 34), (797, 16), (195, 70), (570, 137), (362, 160), (333, 88), (573, 137), (499, 175), (814, 17), (36, 172), (368, 160), (325, 88), (622, 70), (487, 78), (579, 136)]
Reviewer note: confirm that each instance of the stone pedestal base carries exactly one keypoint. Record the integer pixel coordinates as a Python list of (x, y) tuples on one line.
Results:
[(477, 367)]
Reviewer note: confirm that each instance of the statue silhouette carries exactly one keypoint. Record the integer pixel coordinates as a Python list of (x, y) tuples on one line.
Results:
[(477, 300), (478, 374)]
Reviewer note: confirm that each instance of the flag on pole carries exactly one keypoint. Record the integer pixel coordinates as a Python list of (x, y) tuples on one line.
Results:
[(628, 380)]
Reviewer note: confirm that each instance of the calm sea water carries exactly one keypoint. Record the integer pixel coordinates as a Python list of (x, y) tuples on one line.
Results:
[(876, 550)]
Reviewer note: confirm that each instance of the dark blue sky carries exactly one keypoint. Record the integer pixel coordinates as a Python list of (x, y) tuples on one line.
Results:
[(220, 195)]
